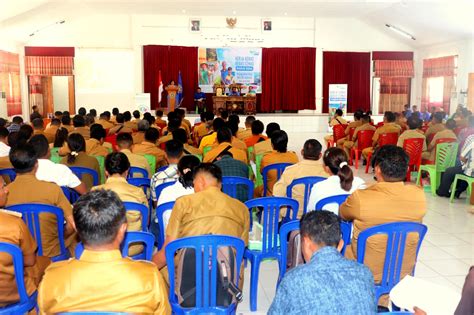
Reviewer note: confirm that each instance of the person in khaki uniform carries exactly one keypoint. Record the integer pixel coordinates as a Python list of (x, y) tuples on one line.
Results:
[(66, 123), (264, 147), (365, 119), (128, 123), (14, 231), (38, 129), (180, 136), (257, 134), (224, 138), (104, 120), (119, 126), (412, 133), (149, 147), (174, 124), (354, 124), (125, 143), (116, 170), (204, 127), (309, 166), (94, 146), (159, 119), (80, 127), (207, 211), (211, 139), (389, 126), (52, 129), (278, 155), (247, 132), (336, 120), (389, 200), (435, 127), (139, 136), (447, 133), (101, 279), (27, 189)]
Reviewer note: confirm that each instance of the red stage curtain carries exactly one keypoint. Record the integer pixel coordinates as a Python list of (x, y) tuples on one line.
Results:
[(288, 79), (10, 81), (50, 51), (353, 69), (170, 60)]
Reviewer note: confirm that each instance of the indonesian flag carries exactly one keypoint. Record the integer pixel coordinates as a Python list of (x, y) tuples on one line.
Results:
[(160, 87)]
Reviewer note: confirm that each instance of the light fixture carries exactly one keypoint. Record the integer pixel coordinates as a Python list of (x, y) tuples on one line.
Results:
[(400, 31), (47, 26)]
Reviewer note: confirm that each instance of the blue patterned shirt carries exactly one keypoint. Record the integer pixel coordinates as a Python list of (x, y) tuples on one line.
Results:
[(328, 284)]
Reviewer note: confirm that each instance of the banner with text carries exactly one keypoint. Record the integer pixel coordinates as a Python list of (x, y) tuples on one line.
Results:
[(230, 65), (337, 97)]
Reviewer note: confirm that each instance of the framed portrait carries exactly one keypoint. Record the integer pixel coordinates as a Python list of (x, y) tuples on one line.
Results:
[(266, 25), (195, 25)]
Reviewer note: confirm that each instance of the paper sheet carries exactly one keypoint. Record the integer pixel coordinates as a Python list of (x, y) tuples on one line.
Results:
[(434, 299)]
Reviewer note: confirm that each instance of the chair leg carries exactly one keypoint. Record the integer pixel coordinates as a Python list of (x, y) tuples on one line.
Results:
[(418, 178), (356, 153), (469, 191), (453, 188), (433, 182), (369, 156), (254, 272)]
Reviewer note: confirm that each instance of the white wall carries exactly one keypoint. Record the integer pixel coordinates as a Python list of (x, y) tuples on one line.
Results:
[(60, 93)]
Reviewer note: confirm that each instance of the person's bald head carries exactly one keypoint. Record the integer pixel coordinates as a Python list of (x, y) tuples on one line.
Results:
[(207, 175)]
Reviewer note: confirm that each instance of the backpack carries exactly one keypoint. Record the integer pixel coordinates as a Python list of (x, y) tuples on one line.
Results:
[(294, 256), (227, 292)]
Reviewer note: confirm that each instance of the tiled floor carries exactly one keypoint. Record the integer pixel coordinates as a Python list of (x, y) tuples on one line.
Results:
[(445, 256)]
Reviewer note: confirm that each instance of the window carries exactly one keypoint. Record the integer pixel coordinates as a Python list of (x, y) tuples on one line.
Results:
[(435, 90)]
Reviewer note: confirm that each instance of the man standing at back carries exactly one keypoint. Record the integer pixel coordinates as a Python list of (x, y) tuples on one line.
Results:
[(328, 283), (101, 279)]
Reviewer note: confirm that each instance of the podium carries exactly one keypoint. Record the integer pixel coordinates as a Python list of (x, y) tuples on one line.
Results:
[(172, 93)]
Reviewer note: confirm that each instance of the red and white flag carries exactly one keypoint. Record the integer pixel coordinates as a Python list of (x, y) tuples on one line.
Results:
[(160, 86)]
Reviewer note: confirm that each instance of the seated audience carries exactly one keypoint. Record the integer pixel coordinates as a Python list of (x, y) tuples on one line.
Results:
[(95, 145), (60, 138), (104, 120), (124, 144), (182, 116), (328, 283), (389, 200), (435, 127), (101, 279), (174, 152), (89, 120), (247, 132), (224, 138), (447, 133), (116, 170), (341, 180), (148, 146), (257, 136), (127, 121), (466, 132), (24, 134), (14, 231), (232, 167), (139, 136), (211, 139), (354, 124), (26, 188), (365, 125), (38, 129), (389, 126), (4, 147), (66, 123), (79, 124), (413, 132), (51, 172), (180, 136), (53, 128), (336, 120), (265, 147), (17, 122), (136, 116), (204, 127), (174, 123), (115, 112), (236, 142), (119, 126), (159, 119), (78, 157), (309, 166), (280, 154)]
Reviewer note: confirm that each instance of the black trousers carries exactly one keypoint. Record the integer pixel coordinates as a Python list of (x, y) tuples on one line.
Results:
[(447, 180)]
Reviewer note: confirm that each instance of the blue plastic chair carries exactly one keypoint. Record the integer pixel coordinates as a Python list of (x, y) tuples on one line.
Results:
[(308, 183), (30, 214), (81, 171), (159, 227), (396, 238), (26, 302), (144, 238), (270, 249), (278, 167), (230, 184), (144, 183), (339, 199), (10, 172), (137, 170), (70, 194), (135, 206), (160, 187), (206, 271)]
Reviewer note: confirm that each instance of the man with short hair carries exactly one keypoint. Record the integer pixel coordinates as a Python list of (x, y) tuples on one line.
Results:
[(328, 283), (389, 200), (148, 146), (211, 138), (136, 114), (413, 132), (66, 123), (35, 114), (247, 132), (38, 129), (354, 124), (125, 144), (17, 121), (81, 112), (336, 120), (139, 136), (101, 279), (94, 146), (119, 126), (159, 119), (236, 142), (180, 136), (224, 138), (447, 133), (26, 188), (265, 147), (257, 136), (365, 125), (4, 147), (182, 115), (232, 167), (79, 124), (104, 120), (53, 128), (205, 127), (309, 166), (436, 126), (389, 126), (128, 123)]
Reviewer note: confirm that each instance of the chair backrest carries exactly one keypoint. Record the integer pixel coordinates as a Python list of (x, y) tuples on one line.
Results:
[(10, 172), (339, 131), (206, 270), (26, 303), (339, 199), (230, 184), (364, 139), (389, 138), (160, 187), (137, 170), (134, 206), (270, 218), (446, 154), (151, 161), (445, 140), (308, 183), (91, 313), (160, 210), (31, 215), (131, 237), (278, 167), (101, 161), (380, 124), (414, 148), (397, 234), (144, 183), (112, 139), (205, 150), (81, 171)]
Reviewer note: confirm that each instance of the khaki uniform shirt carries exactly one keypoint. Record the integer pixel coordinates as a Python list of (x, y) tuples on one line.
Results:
[(52, 131), (83, 131), (164, 139), (338, 121), (84, 160), (28, 189), (103, 280), (446, 133), (353, 124), (411, 134), (150, 148), (378, 204), (201, 130), (191, 149), (188, 123), (69, 128), (214, 153), (238, 144), (105, 123), (137, 160), (301, 169), (138, 137), (244, 134), (208, 140), (160, 123), (93, 147), (273, 158), (49, 136), (435, 128), (386, 128), (131, 125), (263, 147), (119, 128)]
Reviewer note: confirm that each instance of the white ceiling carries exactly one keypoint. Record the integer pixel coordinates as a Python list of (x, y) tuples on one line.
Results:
[(431, 22)]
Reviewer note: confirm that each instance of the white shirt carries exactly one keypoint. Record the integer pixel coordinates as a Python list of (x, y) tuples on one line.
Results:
[(4, 149), (331, 187), (171, 193), (59, 174)]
